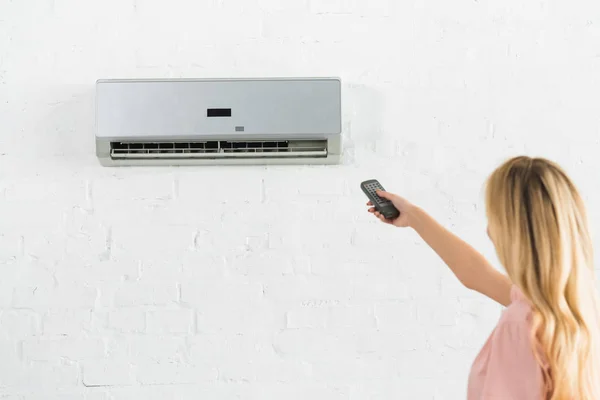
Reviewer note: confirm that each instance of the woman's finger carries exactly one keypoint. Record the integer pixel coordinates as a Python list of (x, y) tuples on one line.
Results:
[(381, 217)]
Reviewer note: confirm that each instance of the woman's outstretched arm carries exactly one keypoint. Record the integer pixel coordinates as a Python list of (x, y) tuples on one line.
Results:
[(469, 266)]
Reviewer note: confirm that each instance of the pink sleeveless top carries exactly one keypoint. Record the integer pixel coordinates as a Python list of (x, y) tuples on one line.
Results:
[(506, 368)]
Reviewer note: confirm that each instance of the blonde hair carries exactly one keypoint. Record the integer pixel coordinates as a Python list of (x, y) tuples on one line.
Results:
[(538, 223)]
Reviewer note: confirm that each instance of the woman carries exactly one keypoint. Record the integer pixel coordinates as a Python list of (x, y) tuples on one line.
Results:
[(546, 344)]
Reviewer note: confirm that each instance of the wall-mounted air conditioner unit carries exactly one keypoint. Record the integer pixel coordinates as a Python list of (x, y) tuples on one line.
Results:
[(218, 121)]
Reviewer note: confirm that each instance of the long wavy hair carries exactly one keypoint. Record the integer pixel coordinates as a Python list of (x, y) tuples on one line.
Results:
[(538, 223)]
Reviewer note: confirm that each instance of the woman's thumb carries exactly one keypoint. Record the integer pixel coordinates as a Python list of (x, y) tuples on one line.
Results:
[(384, 194)]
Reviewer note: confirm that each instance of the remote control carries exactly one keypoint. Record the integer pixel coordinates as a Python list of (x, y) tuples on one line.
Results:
[(384, 206)]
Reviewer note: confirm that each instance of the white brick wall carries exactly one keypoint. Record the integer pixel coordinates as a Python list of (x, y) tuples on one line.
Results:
[(137, 284)]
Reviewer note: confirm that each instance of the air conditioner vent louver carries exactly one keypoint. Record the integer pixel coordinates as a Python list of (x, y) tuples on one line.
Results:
[(212, 149)]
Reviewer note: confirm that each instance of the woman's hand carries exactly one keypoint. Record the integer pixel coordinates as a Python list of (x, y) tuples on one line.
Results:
[(403, 205)]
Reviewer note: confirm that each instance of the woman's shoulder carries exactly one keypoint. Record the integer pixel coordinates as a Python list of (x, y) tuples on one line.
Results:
[(516, 295), (518, 311)]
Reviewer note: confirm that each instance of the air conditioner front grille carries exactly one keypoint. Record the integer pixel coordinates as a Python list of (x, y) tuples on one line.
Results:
[(218, 149)]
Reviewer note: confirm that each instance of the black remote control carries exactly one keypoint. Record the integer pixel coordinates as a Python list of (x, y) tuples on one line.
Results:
[(384, 206)]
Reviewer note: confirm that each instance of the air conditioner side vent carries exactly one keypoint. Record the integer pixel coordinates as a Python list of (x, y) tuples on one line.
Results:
[(213, 149)]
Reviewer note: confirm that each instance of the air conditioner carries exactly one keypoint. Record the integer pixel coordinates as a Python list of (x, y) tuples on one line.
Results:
[(218, 121)]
